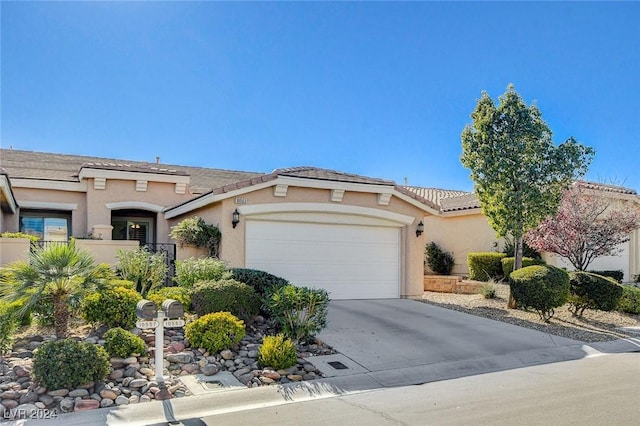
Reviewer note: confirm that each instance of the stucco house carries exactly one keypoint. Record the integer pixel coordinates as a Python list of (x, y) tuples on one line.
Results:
[(356, 236), (461, 228)]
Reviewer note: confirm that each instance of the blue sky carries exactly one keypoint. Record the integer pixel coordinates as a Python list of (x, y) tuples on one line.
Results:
[(380, 89)]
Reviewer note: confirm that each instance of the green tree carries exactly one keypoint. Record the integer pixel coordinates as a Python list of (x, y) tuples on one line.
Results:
[(60, 271), (519, 174)]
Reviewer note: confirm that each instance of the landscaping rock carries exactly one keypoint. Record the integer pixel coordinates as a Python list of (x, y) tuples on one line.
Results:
[(86, 404), (78, 393)]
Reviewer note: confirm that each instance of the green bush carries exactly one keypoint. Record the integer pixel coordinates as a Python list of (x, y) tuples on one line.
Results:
[(67, 364), (439, 261), (485, 265), (262, 282), (113, 307), (8, 326), (510, 249), (592, 291), (617, 275), (300, 312), (225, 295), (277, 352), (43, 310), (197, 232), (147, 270), (122, 343), (191, 271), (30, 237), (508, 263), (630, 300), (540, 287), (215, 332), (180, 294), (122, 283)]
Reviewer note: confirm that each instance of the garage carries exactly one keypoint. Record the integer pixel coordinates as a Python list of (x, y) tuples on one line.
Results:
[(349, 261)]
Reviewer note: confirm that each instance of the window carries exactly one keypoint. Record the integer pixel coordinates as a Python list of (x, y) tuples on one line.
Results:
[(132, 229), (47, 226)]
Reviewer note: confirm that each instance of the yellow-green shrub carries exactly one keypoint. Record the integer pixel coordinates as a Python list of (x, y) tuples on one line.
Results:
[(485, 265), (215, 332), (180, 294), (113, 307), (123, 343), (277, 352)]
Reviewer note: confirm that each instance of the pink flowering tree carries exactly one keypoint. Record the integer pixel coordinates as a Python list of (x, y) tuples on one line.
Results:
[(587, 225)]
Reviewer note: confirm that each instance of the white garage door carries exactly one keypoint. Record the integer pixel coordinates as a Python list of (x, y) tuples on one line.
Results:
[(351, 262)]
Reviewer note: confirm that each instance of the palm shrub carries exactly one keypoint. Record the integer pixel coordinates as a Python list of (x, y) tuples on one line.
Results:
[(113, 307), (193, 270), (147, 270), (300, 312), (540, 287), (630, 300), (215, 332), (68, 364), (60, 271), (176, 293), (592, 291), (485, 265), (439, 261), (225, 295), (123, 343), (277, 352)]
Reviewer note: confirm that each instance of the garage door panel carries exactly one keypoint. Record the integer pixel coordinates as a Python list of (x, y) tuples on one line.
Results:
[(348, 261)]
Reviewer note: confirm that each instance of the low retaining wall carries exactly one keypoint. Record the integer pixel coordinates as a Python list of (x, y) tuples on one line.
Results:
[(450, 284)]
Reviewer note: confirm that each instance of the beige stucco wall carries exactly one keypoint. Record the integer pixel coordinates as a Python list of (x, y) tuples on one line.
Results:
[(233, 240), (78, 215), (13, 249), (460, 235), (105, 251)]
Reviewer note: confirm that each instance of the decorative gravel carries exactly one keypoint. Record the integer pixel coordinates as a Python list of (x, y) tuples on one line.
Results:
[(594, 326)]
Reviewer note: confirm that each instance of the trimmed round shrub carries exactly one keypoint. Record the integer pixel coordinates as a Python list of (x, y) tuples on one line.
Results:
[(508, 263), (193, 270), (122, 343), (68, 364), (215, 332), (540, 287), (262, 282), (225, 295), (123, 283), (439, 261), (617, 275), (180, 294), (277, 352), (485, 265), (591, 291), (630, 300), (113, 307)]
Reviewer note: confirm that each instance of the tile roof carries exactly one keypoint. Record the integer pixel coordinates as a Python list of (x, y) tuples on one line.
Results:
[(605, 187), (309, 172), (63, 167)]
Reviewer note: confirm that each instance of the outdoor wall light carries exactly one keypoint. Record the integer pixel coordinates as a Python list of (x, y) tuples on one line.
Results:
[(235, 220), (420, 229)]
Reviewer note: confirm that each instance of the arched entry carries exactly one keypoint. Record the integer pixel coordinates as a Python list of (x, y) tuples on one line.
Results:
[(134, 225)]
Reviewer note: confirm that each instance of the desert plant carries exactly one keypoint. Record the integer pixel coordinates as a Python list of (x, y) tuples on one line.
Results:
[(485, 265), (193, 270), (617, 275), (591, 291), (59, 270), (630, 300), (147, 270), (225, 295), (68, 363), (215, 332), (176, 293), (262, 282), (508, 262), (540, 287), (122, 343), (300, 312), (439, 261), (488, 290), (197, 232), (113, 307), (277, 352)]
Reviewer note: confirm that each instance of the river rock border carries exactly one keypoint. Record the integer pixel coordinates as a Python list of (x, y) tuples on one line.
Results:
[(132, 380)]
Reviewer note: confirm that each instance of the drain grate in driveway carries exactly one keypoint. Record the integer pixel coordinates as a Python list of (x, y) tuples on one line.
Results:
[(337, 365)]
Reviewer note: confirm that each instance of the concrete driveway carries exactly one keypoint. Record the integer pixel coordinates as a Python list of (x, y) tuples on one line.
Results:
[(401, 341)]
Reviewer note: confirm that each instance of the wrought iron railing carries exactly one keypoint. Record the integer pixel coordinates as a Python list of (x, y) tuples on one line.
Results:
[(169, 250)]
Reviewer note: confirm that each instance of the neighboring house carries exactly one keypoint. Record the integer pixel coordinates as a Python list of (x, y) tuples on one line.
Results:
[(352, 235), (461, 228)]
